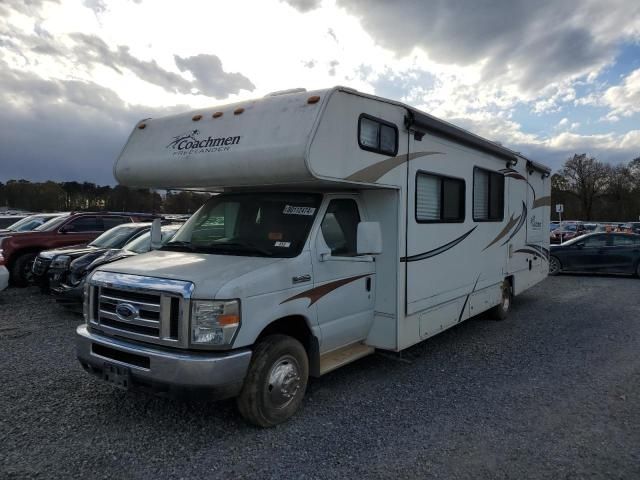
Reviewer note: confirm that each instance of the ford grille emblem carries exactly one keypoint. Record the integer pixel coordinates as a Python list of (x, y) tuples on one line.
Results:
[(126, 311)]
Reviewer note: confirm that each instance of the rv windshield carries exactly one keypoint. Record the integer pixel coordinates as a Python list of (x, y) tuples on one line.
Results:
[(249, 224)]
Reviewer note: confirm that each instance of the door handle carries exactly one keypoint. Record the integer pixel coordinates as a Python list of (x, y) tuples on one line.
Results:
[(301, 278), (368, 284)]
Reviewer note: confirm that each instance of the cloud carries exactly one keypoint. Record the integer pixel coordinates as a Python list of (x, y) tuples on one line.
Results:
[(624, 99), (210, 78), (63, 130), (304, 5), (530, 44)]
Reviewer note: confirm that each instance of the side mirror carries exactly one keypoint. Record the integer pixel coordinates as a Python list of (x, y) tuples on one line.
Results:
[(156, 234), (369, 238)]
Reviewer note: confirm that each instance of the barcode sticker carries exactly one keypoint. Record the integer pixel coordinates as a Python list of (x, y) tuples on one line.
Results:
[(291, 210)]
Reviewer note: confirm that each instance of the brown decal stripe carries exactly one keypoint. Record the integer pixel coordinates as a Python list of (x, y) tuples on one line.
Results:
[(439, 250), (512, 221), (316, 293), (542, 202), (523, 218), (374, 172)]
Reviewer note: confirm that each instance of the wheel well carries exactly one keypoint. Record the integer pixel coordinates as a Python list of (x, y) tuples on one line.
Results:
[(19, 253), (296, 326), (511, 281)]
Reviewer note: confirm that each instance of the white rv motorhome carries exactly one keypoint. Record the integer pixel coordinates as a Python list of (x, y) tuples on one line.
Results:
[(344, 223)]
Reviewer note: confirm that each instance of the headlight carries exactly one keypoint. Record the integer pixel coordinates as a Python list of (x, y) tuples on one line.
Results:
[(214, 322), (61, 261)]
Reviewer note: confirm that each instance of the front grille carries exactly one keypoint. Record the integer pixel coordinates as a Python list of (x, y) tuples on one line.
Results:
[(40, 265), (140, 308)]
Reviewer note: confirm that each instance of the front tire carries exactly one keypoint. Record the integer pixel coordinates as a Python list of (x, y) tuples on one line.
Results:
[(554, 266), (21, 273), (276, 381), (501, 311)]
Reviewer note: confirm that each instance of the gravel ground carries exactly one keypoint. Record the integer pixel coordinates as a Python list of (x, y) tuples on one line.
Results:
[(553, 392)]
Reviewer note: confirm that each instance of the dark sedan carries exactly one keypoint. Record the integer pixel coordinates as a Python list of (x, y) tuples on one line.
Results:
[(597, 253), (52, 265)]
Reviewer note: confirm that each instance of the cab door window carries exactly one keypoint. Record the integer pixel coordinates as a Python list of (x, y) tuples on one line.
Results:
[(340, 227)]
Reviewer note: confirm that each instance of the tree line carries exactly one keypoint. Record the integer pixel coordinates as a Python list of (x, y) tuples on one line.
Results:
[(593, 190), (74, 196), (588, 188)]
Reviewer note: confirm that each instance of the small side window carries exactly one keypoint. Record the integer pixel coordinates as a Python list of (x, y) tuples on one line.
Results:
[(377, 135), (488, 196), (439, 199)]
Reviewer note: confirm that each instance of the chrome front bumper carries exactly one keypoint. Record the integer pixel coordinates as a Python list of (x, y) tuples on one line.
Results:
[(163, 370)]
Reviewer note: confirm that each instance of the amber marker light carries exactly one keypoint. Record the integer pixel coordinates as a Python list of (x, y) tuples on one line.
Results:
[(217, 115), (196, 118), (313, 99), (142, 126), (238, 111), (228, 320)]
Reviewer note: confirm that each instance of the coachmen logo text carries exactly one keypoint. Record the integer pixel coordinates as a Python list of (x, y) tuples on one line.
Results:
[(190, 143)]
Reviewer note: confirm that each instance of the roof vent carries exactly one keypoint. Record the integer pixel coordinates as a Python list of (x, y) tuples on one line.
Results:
[(286, 92)]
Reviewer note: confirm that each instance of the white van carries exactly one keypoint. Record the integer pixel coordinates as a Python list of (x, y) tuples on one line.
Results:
[(344, 223)]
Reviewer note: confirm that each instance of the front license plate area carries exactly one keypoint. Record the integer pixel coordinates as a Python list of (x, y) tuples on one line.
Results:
[(116, 375)]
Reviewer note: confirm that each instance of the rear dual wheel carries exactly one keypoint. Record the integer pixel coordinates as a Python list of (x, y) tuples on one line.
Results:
[(501, 311)]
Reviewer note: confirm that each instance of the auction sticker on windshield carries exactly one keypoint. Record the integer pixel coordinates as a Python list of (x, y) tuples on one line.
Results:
[(291, 210)]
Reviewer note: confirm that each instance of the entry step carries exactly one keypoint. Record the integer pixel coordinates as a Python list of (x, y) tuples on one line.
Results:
[(350, 353)]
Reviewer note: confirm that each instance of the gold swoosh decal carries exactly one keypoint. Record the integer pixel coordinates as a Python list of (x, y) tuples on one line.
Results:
[(512, 221), (374, 172), (316, 293), (542, 202)]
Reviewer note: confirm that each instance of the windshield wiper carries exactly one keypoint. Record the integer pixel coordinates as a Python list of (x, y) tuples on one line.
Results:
[(245, 245), (178, 246)]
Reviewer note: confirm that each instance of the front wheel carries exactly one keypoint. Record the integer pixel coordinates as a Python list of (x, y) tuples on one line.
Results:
[(554, 266), (21, 274), (276, 381), (501, 311)]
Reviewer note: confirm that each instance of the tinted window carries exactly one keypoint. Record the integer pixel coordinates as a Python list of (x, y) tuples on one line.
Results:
[(84, 224), (488, 195), (110, 222), (623, 241), (377, 135), (595, 241), (340, 227), (439, 199)]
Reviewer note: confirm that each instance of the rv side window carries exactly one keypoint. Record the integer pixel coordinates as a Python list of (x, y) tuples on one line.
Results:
[(488, 196), (439, 199), (340, 227), (376, 135)]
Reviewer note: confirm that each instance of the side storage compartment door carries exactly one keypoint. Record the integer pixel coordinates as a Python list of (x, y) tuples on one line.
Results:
[(343, 282), (538, 209)]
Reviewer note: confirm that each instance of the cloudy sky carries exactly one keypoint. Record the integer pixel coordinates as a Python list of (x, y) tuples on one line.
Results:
[(545, 77)]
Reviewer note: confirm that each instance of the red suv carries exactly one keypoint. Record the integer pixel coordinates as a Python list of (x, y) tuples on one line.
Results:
[(18, 250)]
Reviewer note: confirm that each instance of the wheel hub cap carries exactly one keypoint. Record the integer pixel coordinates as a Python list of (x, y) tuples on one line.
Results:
[(284, 382)]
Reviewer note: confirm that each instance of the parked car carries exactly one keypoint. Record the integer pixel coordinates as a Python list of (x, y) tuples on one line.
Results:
[(52, 265), (18, 250), (632, 227), (597, 253), (69, 288), (567, 231), (29, 223), (8, 220)]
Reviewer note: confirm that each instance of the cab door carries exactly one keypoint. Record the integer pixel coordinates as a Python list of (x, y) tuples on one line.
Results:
[(343, 281)]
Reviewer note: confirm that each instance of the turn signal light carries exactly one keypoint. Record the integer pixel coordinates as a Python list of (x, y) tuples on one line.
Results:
[(228, 319)]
